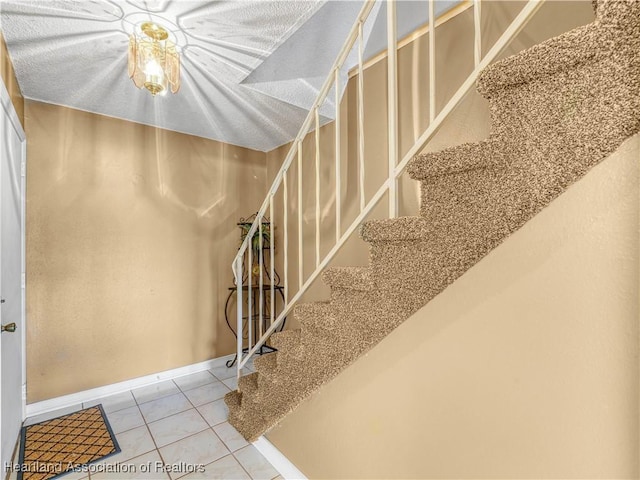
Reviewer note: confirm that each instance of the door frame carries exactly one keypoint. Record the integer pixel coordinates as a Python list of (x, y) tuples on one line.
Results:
[(12, 116)]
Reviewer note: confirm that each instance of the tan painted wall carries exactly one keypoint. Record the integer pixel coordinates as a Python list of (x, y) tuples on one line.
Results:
[(131, 231), (10, 81), (526, 367)]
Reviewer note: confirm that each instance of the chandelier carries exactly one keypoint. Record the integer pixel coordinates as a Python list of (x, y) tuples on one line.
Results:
[(154, 62)]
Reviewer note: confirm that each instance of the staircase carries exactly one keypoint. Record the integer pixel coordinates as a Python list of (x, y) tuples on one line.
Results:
[(557, 109)]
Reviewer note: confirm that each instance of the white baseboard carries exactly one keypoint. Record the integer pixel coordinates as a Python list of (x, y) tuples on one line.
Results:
[(57, 403), (281, 463)]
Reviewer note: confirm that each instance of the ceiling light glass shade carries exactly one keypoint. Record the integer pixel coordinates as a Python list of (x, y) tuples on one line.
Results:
[(154, 62)]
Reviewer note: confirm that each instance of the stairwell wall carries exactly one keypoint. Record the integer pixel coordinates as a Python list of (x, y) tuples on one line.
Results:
[(524, 368), (131, 231)]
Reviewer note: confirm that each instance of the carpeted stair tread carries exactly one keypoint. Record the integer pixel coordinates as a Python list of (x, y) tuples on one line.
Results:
[(557, 110), (556, 54), (353, 278), (489, 153), (395, 229)]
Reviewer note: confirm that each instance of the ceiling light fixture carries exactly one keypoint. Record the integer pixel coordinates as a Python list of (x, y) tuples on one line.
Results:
[(154, 62)]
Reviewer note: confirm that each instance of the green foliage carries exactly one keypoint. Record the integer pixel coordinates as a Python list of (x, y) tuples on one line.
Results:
[(255, 241)]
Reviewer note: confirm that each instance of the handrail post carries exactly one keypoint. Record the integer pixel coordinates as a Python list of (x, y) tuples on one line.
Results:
[(392, 96)]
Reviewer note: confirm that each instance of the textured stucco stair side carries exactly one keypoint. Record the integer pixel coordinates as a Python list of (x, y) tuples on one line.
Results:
[(557, 110)]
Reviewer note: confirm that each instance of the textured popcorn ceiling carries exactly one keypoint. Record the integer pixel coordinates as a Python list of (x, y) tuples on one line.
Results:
[(250, 69)]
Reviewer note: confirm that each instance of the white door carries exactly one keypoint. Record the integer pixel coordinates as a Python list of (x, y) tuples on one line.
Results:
[(12, 365)]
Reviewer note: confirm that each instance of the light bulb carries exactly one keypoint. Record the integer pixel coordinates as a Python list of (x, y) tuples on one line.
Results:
[(153, 68), (155, 79)]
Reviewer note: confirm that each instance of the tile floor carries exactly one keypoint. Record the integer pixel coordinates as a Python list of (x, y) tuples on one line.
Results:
[(167, 429)]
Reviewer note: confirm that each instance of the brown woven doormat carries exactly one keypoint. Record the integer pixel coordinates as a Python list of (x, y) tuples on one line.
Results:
[(55, 447)]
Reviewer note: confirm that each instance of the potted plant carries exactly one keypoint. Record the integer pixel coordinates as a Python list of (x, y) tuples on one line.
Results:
[(245, 226)]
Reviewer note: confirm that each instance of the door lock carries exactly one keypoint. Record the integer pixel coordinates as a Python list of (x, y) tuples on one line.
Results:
[(9, 327)]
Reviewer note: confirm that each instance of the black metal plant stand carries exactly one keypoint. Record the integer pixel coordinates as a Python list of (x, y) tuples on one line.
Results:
[(244, 225)]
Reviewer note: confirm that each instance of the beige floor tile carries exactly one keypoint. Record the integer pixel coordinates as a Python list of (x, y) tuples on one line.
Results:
[(214, 412), (255, 464), (176, 427), (197, 450)]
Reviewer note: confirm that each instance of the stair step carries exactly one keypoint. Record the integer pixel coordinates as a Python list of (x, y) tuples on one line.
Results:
[(320, 324), (309, 314), (622, 16), (545, 59), (267, 366), (286, 340), (248, 383), (247, 418), (353, 278), (266, 363), (395, 229), (462, 158), (233, 399)]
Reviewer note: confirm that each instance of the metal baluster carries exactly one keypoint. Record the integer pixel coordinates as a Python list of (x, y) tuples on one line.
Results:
[(300, 251), (285, 252), (239, 298), (337, 159), (392, 94), (272, 261), (361, 115), (250, 296), (317, 188), (261, 279), (432, 62)]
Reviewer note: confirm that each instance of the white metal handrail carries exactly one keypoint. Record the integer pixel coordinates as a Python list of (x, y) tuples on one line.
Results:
[(395, 168)]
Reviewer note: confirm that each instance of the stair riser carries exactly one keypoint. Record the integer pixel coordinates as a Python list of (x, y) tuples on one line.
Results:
[(329, 329), (466, 157), (357, 278), (317, 319), (365, 314), (415, 272), (266, 363), (285, 340), (467, 206), (302, 377)]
